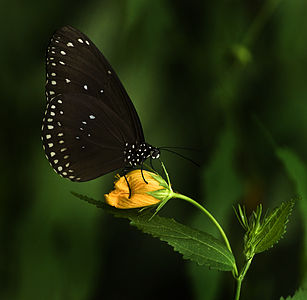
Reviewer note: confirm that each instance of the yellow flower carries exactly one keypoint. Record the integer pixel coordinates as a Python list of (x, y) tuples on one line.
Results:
[(142, 194)]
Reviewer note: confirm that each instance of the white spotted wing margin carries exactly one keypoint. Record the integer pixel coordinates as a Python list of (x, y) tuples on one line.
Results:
[(195, 245), (82, 137)]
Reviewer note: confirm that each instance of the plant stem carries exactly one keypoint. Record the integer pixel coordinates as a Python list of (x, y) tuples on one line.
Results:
[(215, 222), (260, 21), (238, 291), (241, 277)]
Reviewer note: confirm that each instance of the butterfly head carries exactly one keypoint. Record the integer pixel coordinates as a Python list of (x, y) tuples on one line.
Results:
[(155, 153)]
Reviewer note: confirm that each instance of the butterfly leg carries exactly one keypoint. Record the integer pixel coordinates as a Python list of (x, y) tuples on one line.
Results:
[(143, 174), (128, 187), (123, 172)]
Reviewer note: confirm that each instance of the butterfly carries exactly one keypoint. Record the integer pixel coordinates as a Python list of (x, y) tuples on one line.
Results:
[(90, 126)]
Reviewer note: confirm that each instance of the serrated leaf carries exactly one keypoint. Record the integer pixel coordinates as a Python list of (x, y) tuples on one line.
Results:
[(193, 244), (273, 227), (301, 294), (120, 213)]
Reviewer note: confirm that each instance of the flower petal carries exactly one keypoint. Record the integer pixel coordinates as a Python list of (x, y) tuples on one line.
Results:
[(119, 197)]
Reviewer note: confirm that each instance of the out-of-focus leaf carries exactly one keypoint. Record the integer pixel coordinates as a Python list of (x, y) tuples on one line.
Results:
[(297, 171)]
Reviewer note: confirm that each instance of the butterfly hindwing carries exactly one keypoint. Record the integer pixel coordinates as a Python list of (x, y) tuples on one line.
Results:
[(83, 138)]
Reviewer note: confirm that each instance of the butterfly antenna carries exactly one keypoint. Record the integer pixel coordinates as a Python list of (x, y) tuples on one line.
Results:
[(183, 148), (182, 156)]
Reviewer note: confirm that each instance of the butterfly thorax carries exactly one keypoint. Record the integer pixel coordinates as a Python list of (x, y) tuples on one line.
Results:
[(136, 154)]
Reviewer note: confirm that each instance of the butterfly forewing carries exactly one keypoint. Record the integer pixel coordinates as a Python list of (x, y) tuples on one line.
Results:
[(75, 65)]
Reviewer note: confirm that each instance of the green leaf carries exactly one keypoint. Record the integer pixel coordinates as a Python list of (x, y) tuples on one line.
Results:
[(161, 181), (274, 227), (262, 235), (160, 194), (120, 213), (300, 294), (193, 244)]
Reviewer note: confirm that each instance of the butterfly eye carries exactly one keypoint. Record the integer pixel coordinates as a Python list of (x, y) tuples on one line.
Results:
[(154, 154)]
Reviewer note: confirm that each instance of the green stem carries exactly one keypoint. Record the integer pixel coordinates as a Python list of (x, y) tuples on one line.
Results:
[(238, 291), (215, 222), (241, 277), (261, 19)]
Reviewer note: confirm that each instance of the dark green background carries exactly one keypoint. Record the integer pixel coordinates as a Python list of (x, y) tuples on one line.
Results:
[(202, 74)]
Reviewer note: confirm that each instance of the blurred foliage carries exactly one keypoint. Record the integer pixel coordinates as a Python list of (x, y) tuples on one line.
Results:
[(197, 73)]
